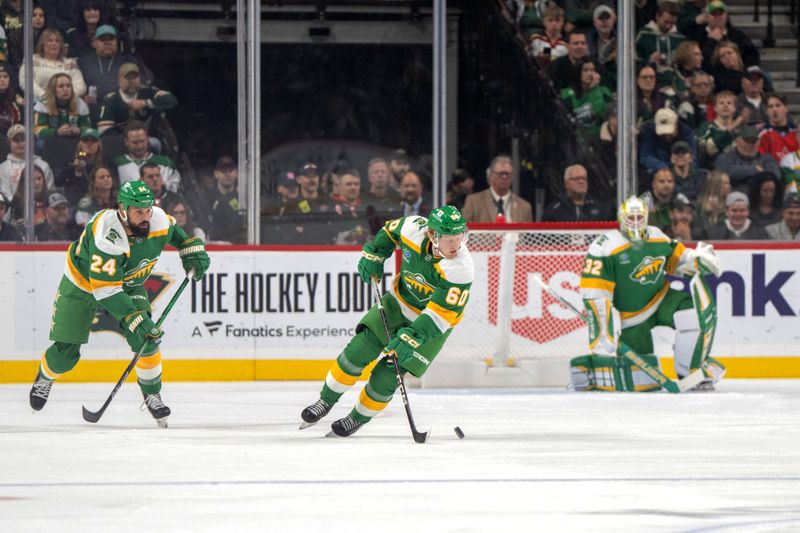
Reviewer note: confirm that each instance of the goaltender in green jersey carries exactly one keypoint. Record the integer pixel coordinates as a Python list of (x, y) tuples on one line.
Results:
[(427, 300), (626, 294), (108, 265)]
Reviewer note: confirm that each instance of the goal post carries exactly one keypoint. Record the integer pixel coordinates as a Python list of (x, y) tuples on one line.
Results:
[(513, 333)]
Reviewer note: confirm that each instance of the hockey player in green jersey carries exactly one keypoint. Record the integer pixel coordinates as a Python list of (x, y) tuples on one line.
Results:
[(108, 265), (626, 294), (427, 300)]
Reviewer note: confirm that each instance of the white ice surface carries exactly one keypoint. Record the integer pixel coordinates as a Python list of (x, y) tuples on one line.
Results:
[(532, 460)]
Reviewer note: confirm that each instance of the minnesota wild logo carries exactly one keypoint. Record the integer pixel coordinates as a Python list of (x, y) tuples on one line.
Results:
[(649, 270), (418, 286), (155, 286)]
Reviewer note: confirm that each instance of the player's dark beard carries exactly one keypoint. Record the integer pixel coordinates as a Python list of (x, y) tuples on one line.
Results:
[(141, 231)]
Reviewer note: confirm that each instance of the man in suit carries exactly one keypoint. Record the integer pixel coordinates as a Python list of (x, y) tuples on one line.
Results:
[(485, 206)]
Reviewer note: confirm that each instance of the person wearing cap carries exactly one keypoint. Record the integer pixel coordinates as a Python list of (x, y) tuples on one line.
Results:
[(715, 136), (576, 204), (57, 225), (779, 137), (225, 218), (50, 58), (788, 229), (718, 29), (656, 139), (279, 215), (602, 42), (314, 208), (744, 161), (657, 40), (682, 225), (11, 169), (550, 44), (753, 97), (399, 164), (461, 185), (133, 101), (138, 153), (737, 224), (688, 177), (101, 67), (8, 233), (10, 110), (88, 155), (562, 70)]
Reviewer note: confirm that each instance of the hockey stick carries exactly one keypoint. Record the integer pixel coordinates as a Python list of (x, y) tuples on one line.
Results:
[(93, 417), (419, 436), (657, 375)]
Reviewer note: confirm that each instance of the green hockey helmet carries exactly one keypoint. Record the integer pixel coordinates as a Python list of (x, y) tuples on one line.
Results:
[(135, 194), (447, 220)]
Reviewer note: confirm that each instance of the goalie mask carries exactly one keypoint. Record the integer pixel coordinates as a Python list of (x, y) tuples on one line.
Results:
[(632, 217), (447, 229)]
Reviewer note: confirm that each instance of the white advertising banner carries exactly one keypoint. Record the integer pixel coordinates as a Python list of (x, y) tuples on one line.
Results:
[(305, 305)]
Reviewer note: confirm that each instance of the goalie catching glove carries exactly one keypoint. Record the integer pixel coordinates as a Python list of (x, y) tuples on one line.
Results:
[(371, 264), (404, 346), (141, 330), (702, 259), (193, 256)]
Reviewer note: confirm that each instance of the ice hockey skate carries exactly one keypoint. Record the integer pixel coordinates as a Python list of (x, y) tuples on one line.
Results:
[(40, 392), (314, 412), (157, 408), (344, 427)]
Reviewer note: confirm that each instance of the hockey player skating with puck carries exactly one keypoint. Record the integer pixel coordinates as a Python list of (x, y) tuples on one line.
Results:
[(108, 266), (427, 300), (626, 295)]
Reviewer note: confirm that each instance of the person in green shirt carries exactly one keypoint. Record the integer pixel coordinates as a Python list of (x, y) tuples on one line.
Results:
[(108, 267), (427, 300), (587, 99), (626, 293)]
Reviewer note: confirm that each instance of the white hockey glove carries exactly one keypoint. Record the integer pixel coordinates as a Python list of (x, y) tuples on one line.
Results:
[(702, 259)]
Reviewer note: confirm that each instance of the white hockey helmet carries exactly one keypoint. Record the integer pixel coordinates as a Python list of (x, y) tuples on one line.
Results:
[(632, 216)]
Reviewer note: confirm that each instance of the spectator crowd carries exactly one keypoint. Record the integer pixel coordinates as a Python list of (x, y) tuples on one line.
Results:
[(718, 152)]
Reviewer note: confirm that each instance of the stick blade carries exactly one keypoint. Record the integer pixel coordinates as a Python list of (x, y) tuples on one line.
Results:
[(89, 416), (420, 436)]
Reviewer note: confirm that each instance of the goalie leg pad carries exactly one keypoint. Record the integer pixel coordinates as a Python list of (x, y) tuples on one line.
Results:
[(694, 333), (604, 326), (611, 374)]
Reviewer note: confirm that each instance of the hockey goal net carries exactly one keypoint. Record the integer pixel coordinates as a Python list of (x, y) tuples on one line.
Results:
[(513, 333)]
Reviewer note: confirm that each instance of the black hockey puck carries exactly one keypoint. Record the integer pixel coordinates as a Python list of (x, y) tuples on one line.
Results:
[(459, 433)]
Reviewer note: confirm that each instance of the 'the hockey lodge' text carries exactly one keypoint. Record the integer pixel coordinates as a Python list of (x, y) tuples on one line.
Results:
[(281, 292)]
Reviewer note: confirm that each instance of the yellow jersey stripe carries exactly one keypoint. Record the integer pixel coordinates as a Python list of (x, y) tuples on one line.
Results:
[(452, 317), (151, 361), (159, 233), (389, 234), (653, 301), (674, 259), (597, 283), (77, 277), (369, 403), (101, 284), (341, 376), (622, 248), (411, 244)]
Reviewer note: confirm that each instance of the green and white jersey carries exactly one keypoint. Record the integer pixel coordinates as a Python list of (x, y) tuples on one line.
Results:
[(633, 279), (128, 169), (105, 261), (427, 287)]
